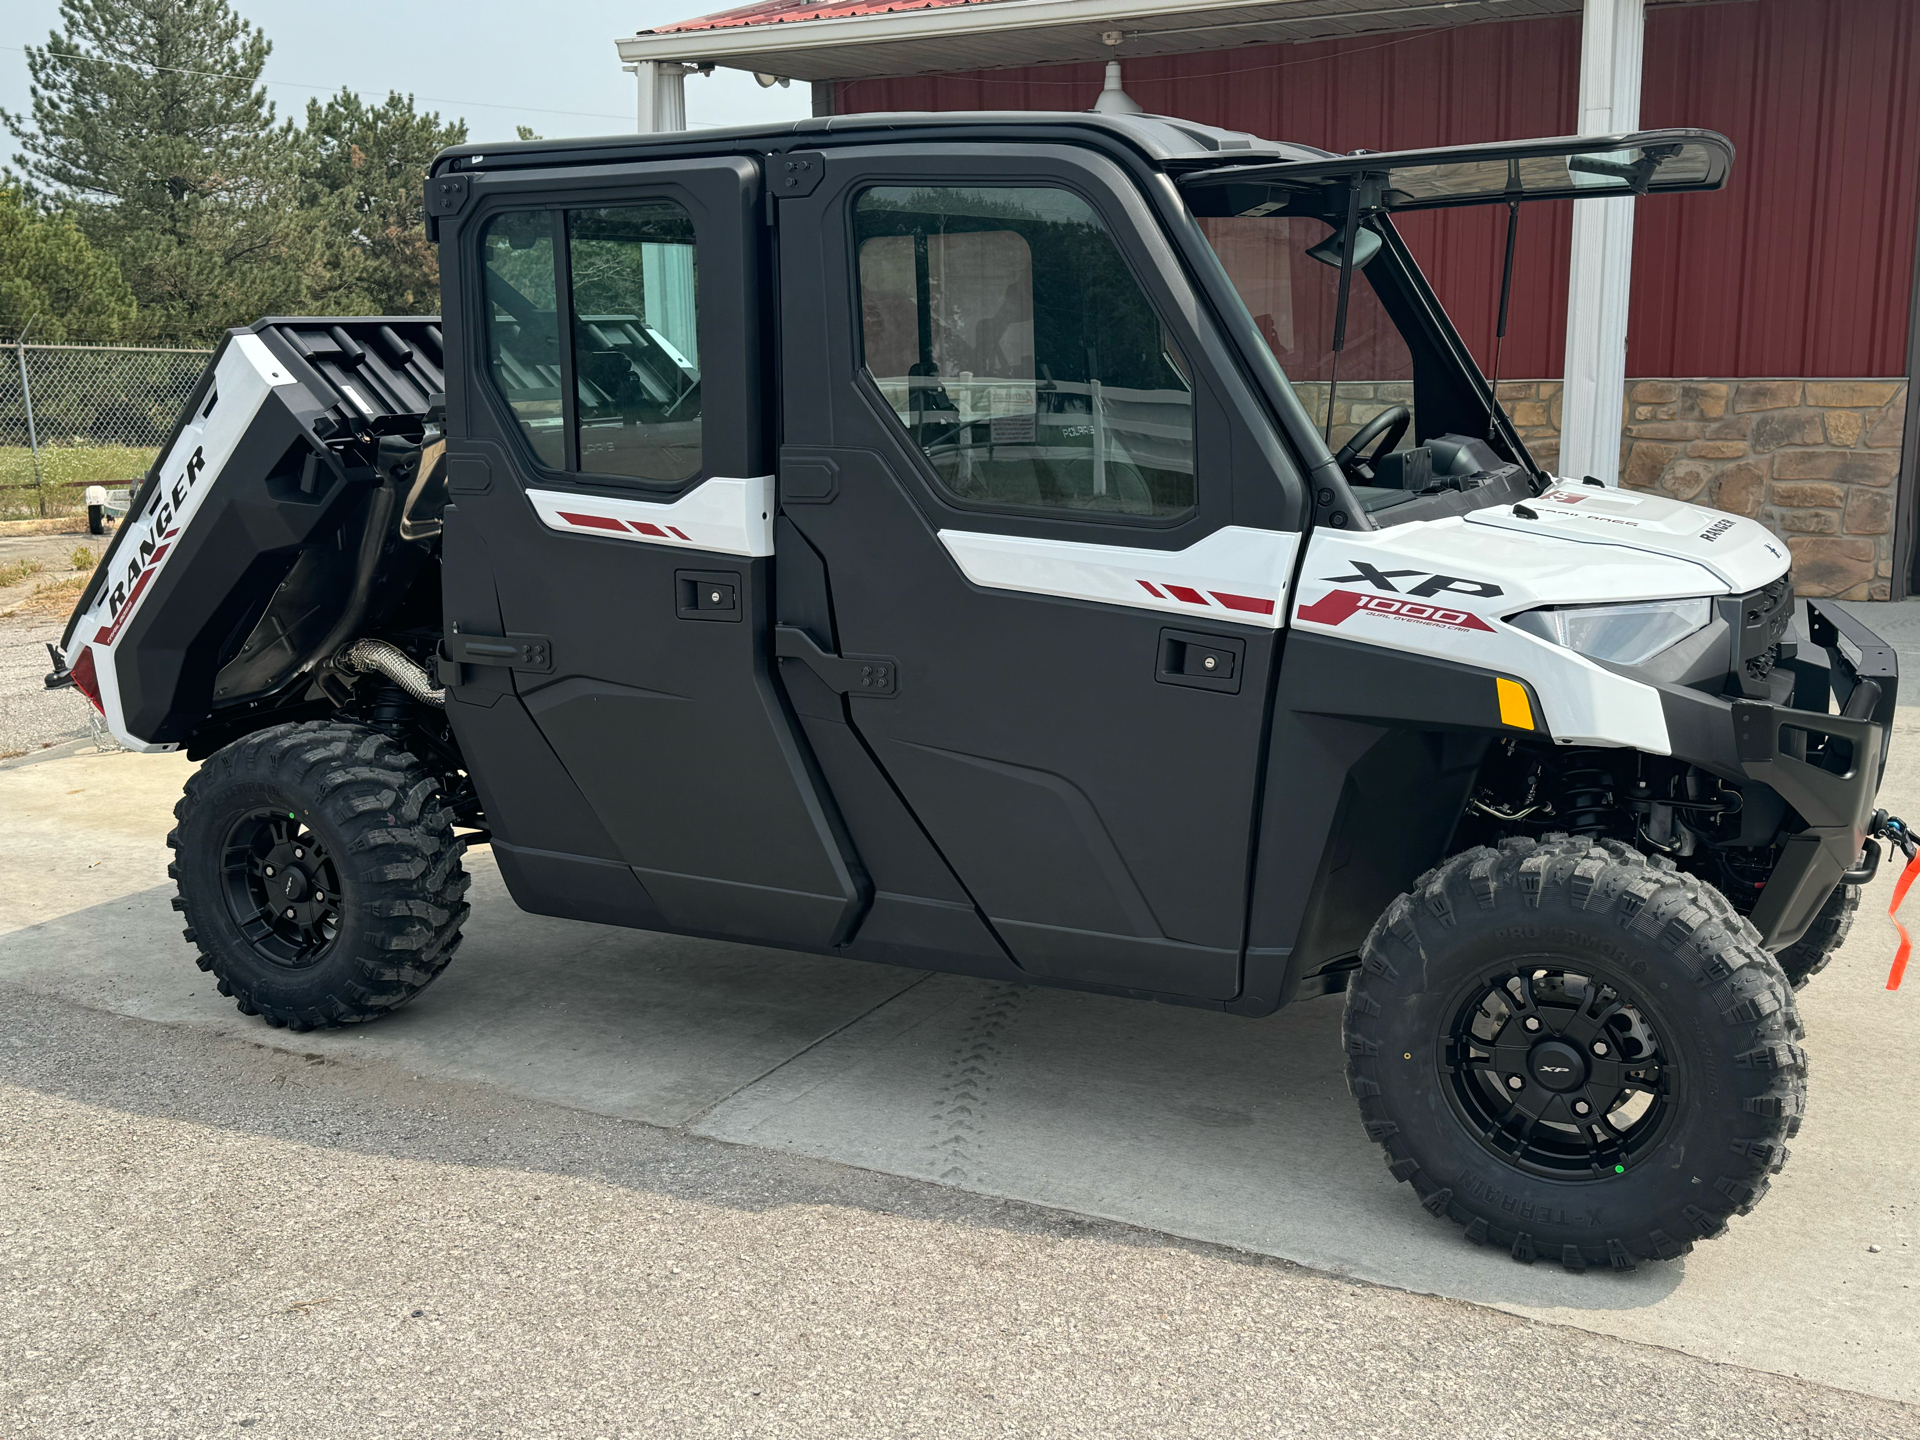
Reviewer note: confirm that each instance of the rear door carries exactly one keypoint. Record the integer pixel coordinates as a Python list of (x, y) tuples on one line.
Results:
[(1023, 502), (608, 556)]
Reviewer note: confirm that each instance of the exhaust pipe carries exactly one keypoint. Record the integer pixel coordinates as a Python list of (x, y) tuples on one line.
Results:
[(368, 656)]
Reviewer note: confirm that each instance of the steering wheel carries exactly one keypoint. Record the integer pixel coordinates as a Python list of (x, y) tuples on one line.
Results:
[(1390, 425)]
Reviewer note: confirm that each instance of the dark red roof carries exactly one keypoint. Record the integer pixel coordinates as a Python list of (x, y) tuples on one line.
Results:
[(782, 12)]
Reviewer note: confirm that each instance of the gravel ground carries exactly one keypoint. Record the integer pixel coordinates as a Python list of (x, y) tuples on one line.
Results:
[(32, 717), (204, 1235)]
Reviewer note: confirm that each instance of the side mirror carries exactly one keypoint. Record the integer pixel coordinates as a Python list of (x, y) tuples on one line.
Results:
[(1367, 245)]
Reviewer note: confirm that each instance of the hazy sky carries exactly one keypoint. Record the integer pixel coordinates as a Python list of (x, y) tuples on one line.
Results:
[(497, 63)]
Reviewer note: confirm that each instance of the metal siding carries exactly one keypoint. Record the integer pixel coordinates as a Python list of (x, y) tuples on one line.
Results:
[(1800, 267)]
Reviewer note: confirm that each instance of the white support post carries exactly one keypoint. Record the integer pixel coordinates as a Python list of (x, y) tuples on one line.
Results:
[(646, 86), (660, 95), (670, 97), (1602, 260)]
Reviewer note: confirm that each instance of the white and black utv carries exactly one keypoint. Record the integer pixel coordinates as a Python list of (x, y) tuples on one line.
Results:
[(1064, 549)]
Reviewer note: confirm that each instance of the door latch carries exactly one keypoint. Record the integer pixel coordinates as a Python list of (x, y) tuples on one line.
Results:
[(1206, 662), (868, 675), (707, 594)]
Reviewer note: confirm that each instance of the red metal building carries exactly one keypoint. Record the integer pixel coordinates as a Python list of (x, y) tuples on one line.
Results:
[(1769, 332)]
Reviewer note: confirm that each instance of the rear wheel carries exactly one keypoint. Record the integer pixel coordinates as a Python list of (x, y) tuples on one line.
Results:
[(1574, 1052), (319, 874), (1810, 955)]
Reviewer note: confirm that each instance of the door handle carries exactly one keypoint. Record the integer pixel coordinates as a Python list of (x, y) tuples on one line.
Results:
[(1205, 662), (868, 675)]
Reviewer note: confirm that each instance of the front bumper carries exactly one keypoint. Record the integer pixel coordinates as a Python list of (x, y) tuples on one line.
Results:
[(1748, 740)]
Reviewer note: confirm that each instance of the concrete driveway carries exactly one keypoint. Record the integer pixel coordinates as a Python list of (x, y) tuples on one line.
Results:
[(1165, 1126)]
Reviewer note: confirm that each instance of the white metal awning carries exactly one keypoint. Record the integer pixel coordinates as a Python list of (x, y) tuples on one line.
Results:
[(852, 39)]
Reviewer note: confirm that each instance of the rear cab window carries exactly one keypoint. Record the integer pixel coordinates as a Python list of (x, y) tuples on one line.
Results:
[(621, 396)]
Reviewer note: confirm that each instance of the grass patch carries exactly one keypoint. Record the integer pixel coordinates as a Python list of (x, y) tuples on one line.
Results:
[(18, 571), (61, 467), (84, 557), (53, 597)]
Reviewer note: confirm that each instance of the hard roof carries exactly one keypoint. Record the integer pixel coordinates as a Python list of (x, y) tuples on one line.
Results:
[(1161, 138), (782, 12), (849, 39)]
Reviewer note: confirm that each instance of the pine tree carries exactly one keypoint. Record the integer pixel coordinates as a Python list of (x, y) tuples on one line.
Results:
[(150, 125), (363, 170), (54, 285)]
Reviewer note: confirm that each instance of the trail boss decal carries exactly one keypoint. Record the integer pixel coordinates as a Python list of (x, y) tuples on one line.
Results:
[(1414, 603)]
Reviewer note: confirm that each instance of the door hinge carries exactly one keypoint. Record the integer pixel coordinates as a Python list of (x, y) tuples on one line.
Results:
[(517, 652), (868, 675)]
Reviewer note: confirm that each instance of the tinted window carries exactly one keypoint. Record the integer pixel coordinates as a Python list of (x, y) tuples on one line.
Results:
[(523, 325), (1015, 345), (636, 343)]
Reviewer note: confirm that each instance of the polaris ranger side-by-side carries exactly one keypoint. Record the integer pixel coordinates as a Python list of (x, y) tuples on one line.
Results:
[(1064, 549)]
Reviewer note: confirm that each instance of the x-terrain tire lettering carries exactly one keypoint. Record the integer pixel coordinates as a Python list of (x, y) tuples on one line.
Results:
[(319, 873), (1574, 1051)]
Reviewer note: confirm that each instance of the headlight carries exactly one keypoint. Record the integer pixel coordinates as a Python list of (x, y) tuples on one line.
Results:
[(1623, 634)]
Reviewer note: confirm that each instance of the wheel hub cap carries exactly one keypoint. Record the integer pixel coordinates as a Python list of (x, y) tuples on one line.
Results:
[(1557, 1066), (1557, 1072), (282, 888)]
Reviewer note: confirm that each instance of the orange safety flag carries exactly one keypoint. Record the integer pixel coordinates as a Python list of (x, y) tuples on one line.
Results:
[(1900, 966)]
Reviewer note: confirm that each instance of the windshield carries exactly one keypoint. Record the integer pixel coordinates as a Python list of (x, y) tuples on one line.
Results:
[(1292, 300), (1400, 349)]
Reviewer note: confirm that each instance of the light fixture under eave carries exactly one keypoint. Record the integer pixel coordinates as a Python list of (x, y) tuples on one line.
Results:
[(1113, 100), (766, 81)]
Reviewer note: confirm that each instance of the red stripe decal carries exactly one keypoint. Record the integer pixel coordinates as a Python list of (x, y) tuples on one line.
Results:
[(1337, 605), (1187, 593), (679, 532), (1244, 602), (1151, 590), (591, 522), (126, 609), (648, 528)]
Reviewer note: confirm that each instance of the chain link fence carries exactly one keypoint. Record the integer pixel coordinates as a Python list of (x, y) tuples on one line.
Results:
[(72, 416)]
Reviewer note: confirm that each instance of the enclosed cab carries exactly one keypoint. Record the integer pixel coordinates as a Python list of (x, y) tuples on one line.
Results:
[(1071, 550)]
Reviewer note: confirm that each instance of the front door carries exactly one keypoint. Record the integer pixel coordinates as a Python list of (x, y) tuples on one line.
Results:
[(1013, 456)]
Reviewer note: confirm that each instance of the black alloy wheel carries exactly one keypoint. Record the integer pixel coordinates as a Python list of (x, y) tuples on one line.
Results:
[(1558, 1073), (1574, 1051), (282, 889), (319, 874)]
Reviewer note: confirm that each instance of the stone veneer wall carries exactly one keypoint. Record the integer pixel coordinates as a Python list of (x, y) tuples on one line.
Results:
[(1814, 460)]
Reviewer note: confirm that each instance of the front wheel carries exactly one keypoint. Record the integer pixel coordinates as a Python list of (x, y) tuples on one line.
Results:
[(1574, 1052), (1807, 957), (319, 874)]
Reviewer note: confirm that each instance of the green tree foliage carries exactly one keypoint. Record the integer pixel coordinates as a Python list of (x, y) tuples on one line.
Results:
[(54, 283), (363, 169), (150, 125), (151, 131)]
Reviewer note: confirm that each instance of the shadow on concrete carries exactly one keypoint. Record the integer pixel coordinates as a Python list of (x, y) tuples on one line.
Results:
[(1186, 1122)]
